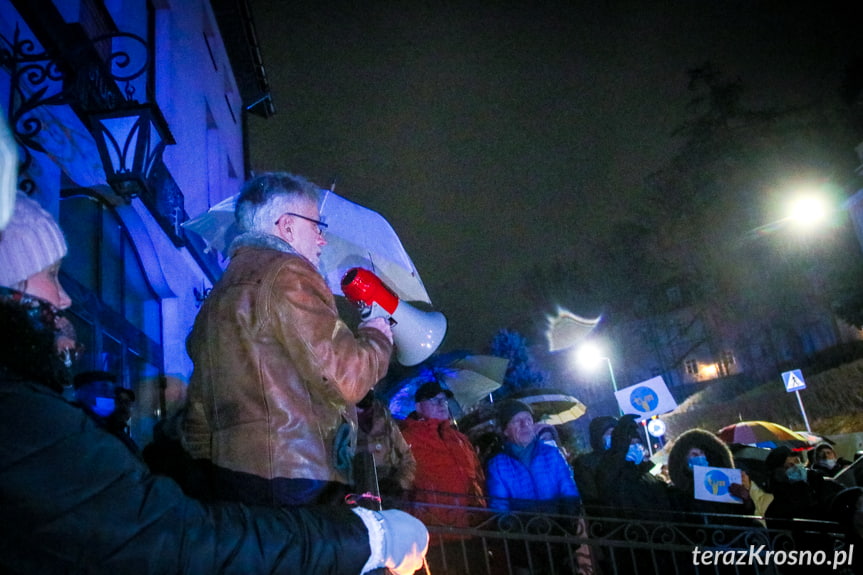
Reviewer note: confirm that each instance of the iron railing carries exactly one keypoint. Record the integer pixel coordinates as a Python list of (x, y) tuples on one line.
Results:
[(626, 543)]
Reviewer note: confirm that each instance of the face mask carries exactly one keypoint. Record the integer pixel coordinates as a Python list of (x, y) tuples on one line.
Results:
[(828, 463), (796, 473), (104, 406), (606, 442), (635, 453), (698, 460)]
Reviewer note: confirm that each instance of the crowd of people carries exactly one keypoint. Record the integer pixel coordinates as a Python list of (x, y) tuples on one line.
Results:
[(283, 433)]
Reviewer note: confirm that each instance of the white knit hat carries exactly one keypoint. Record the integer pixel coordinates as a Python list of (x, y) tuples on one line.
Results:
[(31, 242)]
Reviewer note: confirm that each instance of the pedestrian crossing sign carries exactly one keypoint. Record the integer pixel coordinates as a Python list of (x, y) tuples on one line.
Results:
[(793, 380)]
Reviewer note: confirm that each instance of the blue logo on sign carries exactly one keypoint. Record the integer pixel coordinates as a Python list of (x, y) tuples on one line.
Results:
[(716, 482), (644, 399)]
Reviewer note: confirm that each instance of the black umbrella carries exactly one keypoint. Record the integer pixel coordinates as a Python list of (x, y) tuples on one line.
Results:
[(752, 460)]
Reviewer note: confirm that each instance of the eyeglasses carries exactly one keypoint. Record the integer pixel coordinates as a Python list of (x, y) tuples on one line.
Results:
[(437, 400), (321, 225)]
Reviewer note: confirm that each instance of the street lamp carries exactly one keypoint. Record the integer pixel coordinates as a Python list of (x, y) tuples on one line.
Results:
[(806, 212), (589, 355), (130, 140)]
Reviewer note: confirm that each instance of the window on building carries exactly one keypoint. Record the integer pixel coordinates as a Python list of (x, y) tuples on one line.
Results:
[(103, 259), (691, 366), (116, 314), (727, 358)]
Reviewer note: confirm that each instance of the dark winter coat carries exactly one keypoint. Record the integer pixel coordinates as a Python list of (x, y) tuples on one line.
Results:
[(629, 492), (809, 499), (624, 486), (75, 499), (841, 462), (586, 465)]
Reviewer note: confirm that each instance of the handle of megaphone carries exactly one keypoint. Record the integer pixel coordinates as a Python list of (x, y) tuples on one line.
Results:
[(375, 310)]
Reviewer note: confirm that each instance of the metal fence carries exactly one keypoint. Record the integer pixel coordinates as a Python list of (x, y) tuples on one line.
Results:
[(633, 543)]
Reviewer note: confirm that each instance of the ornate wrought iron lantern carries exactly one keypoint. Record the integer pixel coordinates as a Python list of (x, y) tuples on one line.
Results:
[(130, 141)]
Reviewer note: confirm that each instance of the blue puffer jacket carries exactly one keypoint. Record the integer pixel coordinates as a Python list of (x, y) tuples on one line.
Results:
[(546, 486)]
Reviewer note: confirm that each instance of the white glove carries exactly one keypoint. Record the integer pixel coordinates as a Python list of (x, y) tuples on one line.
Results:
[(398, 540)]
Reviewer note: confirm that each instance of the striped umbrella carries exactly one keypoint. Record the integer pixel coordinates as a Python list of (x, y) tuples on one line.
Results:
[(762, 434)]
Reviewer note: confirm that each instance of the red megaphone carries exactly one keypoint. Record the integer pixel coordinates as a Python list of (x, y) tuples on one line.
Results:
[(416, 333)]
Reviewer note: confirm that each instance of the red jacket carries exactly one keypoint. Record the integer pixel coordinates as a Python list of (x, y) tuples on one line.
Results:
[(448, 470)]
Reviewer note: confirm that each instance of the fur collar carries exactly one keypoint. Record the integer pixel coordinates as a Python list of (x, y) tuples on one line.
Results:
[(260, 240), (718, 455)]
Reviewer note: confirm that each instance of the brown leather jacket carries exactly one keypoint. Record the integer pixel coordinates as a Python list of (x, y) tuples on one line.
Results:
[(383, 439), (275, 368)]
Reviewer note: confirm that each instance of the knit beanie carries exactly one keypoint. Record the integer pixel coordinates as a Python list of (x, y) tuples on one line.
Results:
[(508, 409), (30, 243)]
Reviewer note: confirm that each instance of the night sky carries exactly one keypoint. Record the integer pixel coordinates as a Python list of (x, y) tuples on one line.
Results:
[(494, 136)]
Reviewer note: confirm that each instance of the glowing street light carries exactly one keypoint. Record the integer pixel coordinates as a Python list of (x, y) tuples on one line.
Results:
[(807, 211), (589, 354)]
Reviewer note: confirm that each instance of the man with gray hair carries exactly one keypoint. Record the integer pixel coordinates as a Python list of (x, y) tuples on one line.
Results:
[(270, 412)]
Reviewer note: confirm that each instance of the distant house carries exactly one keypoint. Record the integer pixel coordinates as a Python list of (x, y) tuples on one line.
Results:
[(688, 340)]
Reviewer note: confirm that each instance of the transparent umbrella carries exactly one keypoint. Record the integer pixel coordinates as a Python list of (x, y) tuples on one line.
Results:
[(550, 406), (356, 237), (470, 378)]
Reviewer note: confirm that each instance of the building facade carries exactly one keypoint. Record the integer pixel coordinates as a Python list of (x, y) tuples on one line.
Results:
[(167, 86)]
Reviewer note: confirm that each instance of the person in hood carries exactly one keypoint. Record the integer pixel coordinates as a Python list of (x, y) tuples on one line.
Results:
[(628, 492), (77, 500), (824, 460), (698, 447), (624, 480), (110, 403), (586, 465)]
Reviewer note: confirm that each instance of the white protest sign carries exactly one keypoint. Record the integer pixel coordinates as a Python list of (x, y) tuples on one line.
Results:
[(645, 399), (712, 483)]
